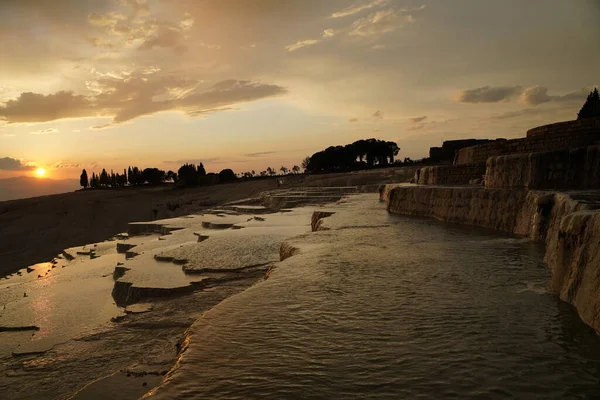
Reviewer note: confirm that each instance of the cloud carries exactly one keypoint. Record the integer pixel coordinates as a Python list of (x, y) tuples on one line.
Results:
[(103, 126), (488, 94), (108, 19), (226, 93), (357, 8), (139, 7), (300, 44), (352, 120), (537, 95), (45, 131), (328, 33), (35, 107), (12, 164), (379, 23), (129, 95), (418, 119), (259, 154), (534, 96), (62, 164), (377, 115), (165, 37)]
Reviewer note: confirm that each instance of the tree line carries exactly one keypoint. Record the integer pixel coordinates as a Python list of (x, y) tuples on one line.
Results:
[(187, 175), (362, 154), (270, 172)]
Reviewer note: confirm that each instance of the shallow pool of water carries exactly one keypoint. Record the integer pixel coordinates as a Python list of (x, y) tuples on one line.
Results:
[(413, 309)]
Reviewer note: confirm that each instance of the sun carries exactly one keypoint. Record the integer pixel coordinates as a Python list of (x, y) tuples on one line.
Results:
[(40, 172)]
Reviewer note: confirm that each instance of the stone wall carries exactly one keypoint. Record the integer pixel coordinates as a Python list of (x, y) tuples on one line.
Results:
[(561, 169), (449, 174), (571, 127), (569, 224), (496, 209), (557, 140), (449, 148)]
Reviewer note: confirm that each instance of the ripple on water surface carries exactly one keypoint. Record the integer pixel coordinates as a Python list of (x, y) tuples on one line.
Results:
[(416, 309)]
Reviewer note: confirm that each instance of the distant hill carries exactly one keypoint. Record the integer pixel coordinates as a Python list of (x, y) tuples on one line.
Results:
[(22, 187)]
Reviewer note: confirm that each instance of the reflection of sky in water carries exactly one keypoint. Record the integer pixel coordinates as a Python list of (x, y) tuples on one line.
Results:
[(63, 303), (72, 298)]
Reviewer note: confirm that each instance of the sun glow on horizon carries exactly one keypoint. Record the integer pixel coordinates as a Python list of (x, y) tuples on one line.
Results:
[(40, 172)]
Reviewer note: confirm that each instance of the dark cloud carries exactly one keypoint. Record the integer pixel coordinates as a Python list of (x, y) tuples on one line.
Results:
[(378, 115), (259, 154), (416, 120), (488, 94), (140, 93), (35, 107), (12, 164), (537, 95), (534, 96), (351, 120), (229, 92)]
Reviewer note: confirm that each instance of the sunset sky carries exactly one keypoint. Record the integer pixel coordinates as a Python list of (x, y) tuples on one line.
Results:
[(247, 84)]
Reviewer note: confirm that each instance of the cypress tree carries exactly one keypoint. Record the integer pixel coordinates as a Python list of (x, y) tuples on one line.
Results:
[(591, 107), (83, 179), (201, 170)]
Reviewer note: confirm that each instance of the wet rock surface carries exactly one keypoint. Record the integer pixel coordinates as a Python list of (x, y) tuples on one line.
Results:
[(111, 313)]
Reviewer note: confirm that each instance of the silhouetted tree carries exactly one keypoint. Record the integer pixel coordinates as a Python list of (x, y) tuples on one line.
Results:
[(360, 154), (104, 179), (284, 170), (591, 107), (83, 179), (153, 176), (188, 174), (263, 173), (305, 163), (295, 169), (227, 175), (172, 176), (201, 170), (271, 171)]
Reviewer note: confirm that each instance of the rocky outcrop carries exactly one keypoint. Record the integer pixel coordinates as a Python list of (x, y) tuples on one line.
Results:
[(569, 224), (316, 220), (286, 251), (125, 293)]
